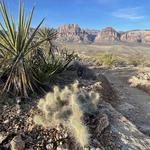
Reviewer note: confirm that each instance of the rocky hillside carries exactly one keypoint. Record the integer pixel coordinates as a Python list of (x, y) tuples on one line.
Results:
[(73, 33), (141, 36), (107, 35)]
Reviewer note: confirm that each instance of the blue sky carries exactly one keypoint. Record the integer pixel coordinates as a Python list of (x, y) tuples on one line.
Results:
[(93, 14)]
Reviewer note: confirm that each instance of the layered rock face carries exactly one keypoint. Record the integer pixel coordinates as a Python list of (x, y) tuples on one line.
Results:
[(107, 35), (73, 33), (136, 36), (146, 37), (132, 36), (110, 35)]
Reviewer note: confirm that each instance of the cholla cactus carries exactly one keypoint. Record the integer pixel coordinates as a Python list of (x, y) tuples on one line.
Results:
[(67, 107)]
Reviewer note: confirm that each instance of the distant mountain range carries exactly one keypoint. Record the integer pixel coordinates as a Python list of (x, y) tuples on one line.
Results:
[(74, 33)]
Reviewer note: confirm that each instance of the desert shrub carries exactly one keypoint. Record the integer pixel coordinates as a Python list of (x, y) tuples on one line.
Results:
[(106, 59), (67, 107), (141, 80)]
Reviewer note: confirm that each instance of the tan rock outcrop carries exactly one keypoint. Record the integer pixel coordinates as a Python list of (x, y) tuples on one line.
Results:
[(107, 35), (72, 33), (140, 36)]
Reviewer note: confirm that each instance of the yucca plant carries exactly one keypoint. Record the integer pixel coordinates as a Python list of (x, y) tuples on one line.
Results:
[(16, 48), (50, 34), (46, 66), (63, 57)]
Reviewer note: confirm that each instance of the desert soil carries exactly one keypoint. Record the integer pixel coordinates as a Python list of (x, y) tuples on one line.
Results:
[(131, 102)]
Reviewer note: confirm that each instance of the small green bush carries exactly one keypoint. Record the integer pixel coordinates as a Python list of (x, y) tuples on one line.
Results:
[(67, 107), (105, 59)]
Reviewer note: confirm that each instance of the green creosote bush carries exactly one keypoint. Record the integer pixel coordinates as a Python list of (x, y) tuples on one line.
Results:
[(67, 107), (105, 59)]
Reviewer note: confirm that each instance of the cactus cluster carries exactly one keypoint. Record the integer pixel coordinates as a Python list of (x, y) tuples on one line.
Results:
[(67, 107)]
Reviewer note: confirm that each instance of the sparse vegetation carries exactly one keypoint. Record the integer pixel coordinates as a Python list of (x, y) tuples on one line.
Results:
[(123, 53), (141, 80), (67, 107), (136, 59), (105, 59), (89, 105)]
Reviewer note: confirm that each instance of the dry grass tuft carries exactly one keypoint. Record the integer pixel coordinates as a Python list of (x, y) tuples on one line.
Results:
[(141, 80)]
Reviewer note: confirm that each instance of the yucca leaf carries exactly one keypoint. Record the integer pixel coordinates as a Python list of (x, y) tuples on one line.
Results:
[(6, 19), (27, 27), (13, 27), (32, 37), (6, 36)]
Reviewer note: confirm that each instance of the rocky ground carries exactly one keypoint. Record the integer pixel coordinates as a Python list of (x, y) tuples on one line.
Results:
[(132, 102), (109, 129), (18, 130)]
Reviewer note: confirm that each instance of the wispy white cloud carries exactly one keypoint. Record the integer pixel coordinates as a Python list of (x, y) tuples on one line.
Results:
[(129, 13)]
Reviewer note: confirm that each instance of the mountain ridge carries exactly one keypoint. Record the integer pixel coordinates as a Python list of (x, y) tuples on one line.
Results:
[(74, 33)]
